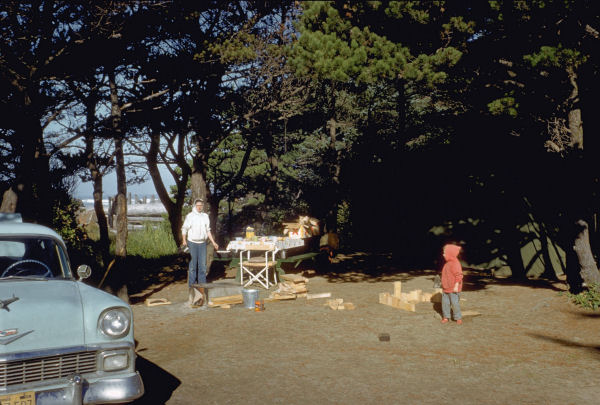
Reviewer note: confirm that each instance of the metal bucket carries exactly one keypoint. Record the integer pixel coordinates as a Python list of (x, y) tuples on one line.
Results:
[(250, 296)]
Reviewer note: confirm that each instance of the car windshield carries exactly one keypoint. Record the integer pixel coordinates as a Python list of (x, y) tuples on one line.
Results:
[(30, 256)]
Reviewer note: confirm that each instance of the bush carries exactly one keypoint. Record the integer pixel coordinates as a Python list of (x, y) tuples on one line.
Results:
[(587, 299), (153, 241), (81, 248)]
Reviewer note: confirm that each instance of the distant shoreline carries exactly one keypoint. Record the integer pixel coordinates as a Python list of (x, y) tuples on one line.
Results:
[(149, 208)]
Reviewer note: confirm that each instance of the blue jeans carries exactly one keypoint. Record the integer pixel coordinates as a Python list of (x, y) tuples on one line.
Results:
[(197, 271), (451, 299)]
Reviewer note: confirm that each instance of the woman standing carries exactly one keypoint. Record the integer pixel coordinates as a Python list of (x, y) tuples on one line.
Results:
[(195, 231)]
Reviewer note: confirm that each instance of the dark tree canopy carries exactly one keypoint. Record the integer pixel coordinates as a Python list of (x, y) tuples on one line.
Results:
[(401, 125)]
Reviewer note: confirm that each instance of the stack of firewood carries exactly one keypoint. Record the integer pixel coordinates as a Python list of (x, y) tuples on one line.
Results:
[(292, 286)]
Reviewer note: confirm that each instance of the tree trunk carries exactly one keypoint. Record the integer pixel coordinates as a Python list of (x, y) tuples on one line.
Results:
[(271, 189), (587, 265), (101, 216), (9, 201), (200, 190), (335, 170), (173, 207), (34, 170), (198, 184), (574, 115), (96, 177), (588, 270), (119, 278)]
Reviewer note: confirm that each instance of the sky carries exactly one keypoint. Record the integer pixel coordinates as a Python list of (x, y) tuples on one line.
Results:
[(85, 190)]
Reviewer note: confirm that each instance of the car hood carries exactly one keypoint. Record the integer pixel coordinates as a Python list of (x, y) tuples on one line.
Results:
[(47, 314)]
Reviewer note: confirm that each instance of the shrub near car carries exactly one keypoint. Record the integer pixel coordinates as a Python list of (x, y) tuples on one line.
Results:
[(61, 341)]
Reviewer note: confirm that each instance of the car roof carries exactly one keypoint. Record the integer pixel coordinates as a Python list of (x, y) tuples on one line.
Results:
[(23, 228)]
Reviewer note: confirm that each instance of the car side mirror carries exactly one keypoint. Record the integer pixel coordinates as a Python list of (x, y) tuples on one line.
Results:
[(84, 271)]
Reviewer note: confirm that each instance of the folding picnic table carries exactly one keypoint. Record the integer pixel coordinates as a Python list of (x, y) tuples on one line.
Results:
[(257, 268)]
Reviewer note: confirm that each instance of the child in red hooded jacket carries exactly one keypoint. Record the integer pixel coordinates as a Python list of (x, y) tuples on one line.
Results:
[(452, 277)]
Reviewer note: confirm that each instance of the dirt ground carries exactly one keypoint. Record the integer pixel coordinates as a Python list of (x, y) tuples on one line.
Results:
[(528, 346)]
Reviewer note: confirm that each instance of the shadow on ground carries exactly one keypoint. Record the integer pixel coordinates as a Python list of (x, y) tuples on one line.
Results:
[(149, 276), (159, 384), (594, 350), (377, 267)]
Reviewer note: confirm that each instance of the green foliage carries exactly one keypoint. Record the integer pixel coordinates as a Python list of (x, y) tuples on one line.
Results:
[(239, 48), (331, 48), (589, 298), (64, 222), (348, 43), (153, 241), (81, 247), (557, 57), (504, 105), (458, 23), (345, 228), (410, 9), (425, 68)]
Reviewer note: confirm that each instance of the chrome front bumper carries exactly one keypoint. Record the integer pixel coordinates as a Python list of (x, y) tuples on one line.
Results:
[(102, 391)]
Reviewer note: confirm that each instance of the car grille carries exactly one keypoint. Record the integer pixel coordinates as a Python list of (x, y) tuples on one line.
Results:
[(46, 368)]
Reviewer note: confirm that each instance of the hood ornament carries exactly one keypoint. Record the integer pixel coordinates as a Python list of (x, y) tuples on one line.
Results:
[(5, 303)]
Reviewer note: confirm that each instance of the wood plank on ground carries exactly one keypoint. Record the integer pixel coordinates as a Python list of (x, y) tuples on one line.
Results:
[(318, 295), (152, 302), (280, 297), (228, 299)]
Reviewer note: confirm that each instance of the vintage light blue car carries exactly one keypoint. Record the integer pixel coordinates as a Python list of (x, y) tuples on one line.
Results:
[(61, 341)]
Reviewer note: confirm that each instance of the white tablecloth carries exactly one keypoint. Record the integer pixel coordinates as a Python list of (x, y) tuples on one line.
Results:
[(286, 243)]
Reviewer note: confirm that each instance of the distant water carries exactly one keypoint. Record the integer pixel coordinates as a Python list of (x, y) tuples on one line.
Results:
[(155, 207), (88, 203)]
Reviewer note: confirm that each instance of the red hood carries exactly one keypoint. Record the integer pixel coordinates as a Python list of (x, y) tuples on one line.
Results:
[(451, 252)]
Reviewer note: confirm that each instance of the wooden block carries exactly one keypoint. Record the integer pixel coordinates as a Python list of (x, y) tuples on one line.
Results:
[(227, 299), (404, 297), (318, 295), (426, 297), (415, 296), (301, 295), (285, 287), (349, 306), (385, 298), (396, 302), (152, 302), (397, 288), (335, 303), (299, 288), (225, 306), (275, 296), (294, 278), (407, 306)]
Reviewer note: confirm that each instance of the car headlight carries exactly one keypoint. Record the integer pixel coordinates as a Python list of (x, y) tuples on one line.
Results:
[(114, 322)]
